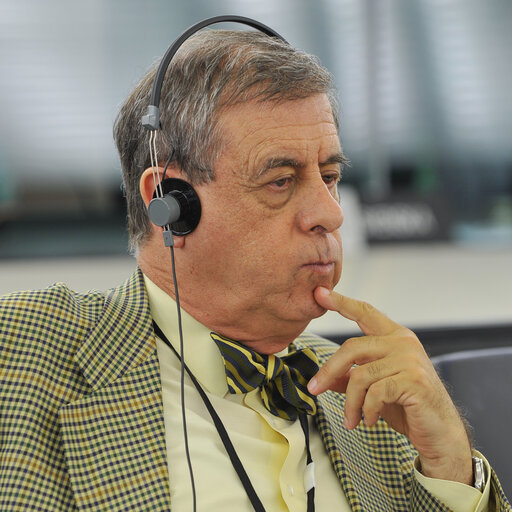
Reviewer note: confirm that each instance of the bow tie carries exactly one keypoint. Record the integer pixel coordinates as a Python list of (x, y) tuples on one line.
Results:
[(282, 380)]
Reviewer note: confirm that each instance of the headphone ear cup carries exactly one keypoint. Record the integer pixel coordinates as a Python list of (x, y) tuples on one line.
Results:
[(164, 210), (180, 207)]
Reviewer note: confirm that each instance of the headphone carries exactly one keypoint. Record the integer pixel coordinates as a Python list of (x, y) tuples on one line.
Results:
[(175, 205)]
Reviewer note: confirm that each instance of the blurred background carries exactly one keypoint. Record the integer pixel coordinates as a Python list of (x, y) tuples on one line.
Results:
[(425, 89)]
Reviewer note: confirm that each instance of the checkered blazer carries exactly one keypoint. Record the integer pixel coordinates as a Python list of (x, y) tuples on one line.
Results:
[(81, 425)]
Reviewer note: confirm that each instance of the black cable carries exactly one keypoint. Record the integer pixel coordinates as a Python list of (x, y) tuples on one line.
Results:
[(163, 177), (221, 429), (182, 381)]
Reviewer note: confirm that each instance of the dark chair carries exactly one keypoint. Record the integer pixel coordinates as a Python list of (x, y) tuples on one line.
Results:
[(480, 383)]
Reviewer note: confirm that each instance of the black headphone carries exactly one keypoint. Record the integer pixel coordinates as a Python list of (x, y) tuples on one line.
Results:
[(175, 204), (176, 207)]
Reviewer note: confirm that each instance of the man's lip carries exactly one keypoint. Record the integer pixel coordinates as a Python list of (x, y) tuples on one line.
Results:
[(328, 262), (321, 267)]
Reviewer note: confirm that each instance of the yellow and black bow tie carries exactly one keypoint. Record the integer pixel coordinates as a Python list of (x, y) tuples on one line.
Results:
[(282, 380)]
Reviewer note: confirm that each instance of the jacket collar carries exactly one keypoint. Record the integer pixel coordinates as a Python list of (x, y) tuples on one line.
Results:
[(114, 437), (122, 336)]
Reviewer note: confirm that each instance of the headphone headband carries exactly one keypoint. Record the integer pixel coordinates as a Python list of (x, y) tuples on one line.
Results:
[(151, 120)]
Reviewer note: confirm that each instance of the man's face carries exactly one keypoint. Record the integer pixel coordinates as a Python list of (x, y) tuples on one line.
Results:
[(269, 232)]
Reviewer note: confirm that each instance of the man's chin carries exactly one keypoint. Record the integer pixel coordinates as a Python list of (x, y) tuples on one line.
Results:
[(302, 306), (311, 309), (319, 312)]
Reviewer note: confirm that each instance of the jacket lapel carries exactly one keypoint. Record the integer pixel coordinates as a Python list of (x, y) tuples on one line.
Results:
[(367, 460), (329, 423), (114, 436)]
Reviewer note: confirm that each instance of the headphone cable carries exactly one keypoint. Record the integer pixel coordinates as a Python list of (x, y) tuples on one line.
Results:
[(182, 382)]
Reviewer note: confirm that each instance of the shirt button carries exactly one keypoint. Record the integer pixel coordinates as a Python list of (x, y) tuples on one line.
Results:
[(290, 490)]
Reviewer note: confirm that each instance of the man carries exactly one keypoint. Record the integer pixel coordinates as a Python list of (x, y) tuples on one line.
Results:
[(91, 417)]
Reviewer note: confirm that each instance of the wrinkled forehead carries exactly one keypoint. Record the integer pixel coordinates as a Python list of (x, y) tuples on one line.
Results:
[(299, 130)]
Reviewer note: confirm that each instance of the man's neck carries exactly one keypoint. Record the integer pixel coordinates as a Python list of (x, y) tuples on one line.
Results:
[(245, 328)]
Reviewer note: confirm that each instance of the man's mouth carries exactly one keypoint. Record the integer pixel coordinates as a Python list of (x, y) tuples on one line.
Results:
[(320, 267)]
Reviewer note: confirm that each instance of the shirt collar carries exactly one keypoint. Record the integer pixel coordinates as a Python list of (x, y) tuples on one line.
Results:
[(201, 353)]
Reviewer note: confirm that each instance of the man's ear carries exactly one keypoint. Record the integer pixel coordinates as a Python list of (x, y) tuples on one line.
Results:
[(147, 182), (147, 189)]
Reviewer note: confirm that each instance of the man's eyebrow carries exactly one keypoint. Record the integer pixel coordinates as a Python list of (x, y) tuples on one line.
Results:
[(336, 158), (277, 162)]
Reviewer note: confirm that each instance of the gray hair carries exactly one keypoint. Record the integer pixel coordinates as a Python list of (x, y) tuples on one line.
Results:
[(212, 70)]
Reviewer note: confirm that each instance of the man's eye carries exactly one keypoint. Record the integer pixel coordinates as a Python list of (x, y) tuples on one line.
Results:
[(281, 182), (330, 179)]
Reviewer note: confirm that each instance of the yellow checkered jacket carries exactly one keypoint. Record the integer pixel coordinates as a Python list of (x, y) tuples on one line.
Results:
[(82, 428)]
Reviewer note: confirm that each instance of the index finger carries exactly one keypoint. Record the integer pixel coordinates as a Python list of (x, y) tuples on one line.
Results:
[(370, 320)]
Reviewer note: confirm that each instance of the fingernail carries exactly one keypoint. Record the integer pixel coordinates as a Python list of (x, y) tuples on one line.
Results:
[(346, 422), (313, 385)]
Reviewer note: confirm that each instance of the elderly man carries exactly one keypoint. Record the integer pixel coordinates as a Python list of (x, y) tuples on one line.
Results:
[(91, 415)]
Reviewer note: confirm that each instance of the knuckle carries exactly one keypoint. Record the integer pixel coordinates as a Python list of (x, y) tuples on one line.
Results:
[(383, 391), (349, 343), (373, 342), (411, 360), (373, 394), (407, 333), (390, 389), (410, 344), (419, 376), (367, 308), (410, 337), (371, 408), (374, 370)]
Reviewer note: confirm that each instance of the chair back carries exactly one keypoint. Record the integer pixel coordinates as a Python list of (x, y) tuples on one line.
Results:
[(480, 383)]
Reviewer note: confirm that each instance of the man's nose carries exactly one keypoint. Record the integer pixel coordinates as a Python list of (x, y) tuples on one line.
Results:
[(321, 211)]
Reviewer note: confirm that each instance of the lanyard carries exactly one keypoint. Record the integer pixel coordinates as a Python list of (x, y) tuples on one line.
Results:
[(230, 449)]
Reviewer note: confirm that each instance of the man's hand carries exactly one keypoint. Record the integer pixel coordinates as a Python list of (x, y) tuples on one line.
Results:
[(395, 379)]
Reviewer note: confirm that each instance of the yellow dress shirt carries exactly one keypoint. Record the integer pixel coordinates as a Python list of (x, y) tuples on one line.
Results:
[(271, 449)]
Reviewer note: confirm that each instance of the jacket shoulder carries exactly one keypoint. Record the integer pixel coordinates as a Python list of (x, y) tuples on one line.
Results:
[(41, 330), (50, 311)]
